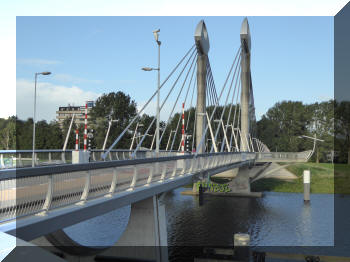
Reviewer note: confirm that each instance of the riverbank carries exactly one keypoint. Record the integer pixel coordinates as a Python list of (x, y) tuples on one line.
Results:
[(325, 178)]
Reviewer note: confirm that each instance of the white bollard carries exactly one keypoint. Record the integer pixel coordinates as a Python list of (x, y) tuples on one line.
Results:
[(306, 176)]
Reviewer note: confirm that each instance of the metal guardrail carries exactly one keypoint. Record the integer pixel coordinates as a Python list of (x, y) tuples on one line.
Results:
[(23, 158), (283, 156), (37, 190)]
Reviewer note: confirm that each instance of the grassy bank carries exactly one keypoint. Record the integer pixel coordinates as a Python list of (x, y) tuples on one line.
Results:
[(325, 178)]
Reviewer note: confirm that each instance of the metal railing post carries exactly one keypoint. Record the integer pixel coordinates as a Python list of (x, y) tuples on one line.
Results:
[(20, 159), (48, 198), (2, 164), (174, 171), (113, 183), (183, 167), (134, 179), (192, 165), (151, 170), (50, 160), (36, 159), (85, 194), (163, 172), (63, 157)]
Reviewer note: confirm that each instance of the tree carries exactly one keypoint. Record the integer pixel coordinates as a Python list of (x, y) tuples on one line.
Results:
[(282, 125), (322, 125), (342, 130), (122, 109), (8, 133), (280, 128), (47, 136), (24, 130)]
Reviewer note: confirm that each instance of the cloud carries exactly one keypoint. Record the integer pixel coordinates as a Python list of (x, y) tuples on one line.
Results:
[(49, 98), (74, 79), (36, 61)]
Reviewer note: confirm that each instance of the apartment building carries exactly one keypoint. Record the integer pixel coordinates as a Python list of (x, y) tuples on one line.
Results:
[(79, 111)]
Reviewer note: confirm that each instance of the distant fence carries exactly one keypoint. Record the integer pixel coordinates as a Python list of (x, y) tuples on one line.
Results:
[(23, 158), (283, 156)]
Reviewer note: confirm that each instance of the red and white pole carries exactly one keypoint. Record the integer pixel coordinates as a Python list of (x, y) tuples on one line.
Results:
[(85, 129), (76, 139), (183, 129)]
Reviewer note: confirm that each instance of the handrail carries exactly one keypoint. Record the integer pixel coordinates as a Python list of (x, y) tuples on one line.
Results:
[(7, 174), (70, 150)]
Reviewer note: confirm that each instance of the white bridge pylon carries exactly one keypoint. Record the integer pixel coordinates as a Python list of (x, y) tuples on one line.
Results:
[(230, 121)]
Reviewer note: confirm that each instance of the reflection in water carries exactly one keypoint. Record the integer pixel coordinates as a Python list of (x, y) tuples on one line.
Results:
[(277, 219), (305, 238)]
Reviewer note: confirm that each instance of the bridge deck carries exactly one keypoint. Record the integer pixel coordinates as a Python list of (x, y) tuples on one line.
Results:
[(36, 197)]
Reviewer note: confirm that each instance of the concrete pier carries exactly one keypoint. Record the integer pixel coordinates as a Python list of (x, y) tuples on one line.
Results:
[(145, 238)]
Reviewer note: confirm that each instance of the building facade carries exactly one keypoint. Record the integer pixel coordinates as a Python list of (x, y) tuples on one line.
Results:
[(65, 112)]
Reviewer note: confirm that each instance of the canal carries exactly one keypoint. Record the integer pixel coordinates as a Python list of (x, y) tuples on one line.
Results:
[(278, 220)]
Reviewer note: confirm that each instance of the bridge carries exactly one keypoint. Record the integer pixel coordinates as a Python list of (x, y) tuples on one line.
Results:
[(44, 191)]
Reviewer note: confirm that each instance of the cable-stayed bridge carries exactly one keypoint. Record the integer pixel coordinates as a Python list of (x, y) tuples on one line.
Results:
[(65, 187)]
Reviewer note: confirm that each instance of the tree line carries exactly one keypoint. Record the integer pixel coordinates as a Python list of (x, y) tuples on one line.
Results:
[(280, 128)]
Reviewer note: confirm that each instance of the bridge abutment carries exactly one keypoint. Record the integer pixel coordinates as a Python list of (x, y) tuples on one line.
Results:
[(145, 237)]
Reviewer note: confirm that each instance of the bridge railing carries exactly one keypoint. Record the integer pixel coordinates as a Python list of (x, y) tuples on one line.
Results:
[(23, 158), (28, 191), (283, 156)]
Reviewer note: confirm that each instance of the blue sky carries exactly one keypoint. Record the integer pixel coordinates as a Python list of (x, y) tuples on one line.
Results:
[(292, 57)]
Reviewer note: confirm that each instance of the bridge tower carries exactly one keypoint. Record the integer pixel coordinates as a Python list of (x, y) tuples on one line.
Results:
[(246, 92), (202, 44)]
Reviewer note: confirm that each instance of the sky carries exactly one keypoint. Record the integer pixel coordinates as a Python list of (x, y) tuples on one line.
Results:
[(292, 56)]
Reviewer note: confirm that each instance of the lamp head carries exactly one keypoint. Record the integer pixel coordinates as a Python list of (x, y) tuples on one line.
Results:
[(46, 73), (155, 33)]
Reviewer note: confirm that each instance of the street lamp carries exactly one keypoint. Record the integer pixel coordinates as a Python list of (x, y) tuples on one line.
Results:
[(156, 37), (34, 119), (314, 139)]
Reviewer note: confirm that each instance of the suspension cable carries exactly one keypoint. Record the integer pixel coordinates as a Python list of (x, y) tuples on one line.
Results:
[(139, 113), (178, 96), (224, 109), (234, 117), (222, 90), (233, 97), (172, 88)]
